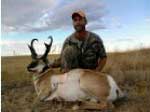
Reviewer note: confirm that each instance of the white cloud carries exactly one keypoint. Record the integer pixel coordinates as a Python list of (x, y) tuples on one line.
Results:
[(41, 15), (114, 22), (10, 48), (17, 13), (13, 48), (128, 43), (147, 19)]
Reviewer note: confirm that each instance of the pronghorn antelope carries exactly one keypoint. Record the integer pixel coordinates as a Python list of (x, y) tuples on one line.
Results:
[(93, 89)]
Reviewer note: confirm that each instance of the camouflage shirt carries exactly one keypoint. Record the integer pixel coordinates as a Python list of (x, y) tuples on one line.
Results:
[(91, 49)]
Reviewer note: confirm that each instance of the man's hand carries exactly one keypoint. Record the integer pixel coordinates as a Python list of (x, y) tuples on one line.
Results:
[(65, 70), (101, 63), (56, 63)]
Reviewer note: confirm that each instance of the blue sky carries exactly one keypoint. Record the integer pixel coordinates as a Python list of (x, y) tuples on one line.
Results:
[(122, 24)]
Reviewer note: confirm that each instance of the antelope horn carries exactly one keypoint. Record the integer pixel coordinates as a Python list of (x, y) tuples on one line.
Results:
[(33, 53), (48, 47)]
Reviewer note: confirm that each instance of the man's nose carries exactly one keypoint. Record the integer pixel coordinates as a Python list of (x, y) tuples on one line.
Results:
[(77, 22)]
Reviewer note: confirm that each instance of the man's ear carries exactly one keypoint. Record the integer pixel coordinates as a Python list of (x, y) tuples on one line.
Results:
[(85, 21)]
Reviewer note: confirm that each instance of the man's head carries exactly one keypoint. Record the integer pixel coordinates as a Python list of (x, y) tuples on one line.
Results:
[(79, 21)]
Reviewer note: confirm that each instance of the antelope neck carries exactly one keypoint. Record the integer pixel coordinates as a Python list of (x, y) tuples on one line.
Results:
[(39, 75)]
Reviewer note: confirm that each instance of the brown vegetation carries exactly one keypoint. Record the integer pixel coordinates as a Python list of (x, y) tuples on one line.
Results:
[(130, 69)]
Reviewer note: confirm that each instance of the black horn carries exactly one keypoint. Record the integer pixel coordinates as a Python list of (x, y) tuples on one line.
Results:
[(33, 53), (48, 47)]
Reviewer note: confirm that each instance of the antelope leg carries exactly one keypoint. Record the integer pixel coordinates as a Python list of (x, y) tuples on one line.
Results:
[(93, 106)]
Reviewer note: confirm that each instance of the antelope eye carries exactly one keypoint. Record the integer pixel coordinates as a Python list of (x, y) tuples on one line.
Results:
[(33, 64), (45, 61)]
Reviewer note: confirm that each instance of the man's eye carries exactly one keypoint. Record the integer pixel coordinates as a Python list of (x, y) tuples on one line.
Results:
[(75, 20)]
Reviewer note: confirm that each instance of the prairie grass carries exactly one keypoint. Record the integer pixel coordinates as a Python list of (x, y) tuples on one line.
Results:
[(130, 69)]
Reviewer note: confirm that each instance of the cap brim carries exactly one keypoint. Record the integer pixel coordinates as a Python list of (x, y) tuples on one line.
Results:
[(75, 14)]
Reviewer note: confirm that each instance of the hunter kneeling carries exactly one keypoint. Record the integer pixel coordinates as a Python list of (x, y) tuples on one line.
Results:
[(95, 90), (82, 49), (82, 53)]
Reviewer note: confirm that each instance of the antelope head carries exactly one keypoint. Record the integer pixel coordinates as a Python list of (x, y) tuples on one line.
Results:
[(39, 63)]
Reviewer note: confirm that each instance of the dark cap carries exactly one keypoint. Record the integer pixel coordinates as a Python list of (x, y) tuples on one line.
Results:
[(78, 13)]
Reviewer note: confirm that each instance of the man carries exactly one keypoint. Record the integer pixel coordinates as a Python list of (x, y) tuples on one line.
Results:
[(82, 49)]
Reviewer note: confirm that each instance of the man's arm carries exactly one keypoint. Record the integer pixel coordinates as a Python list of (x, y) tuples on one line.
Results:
[(101, 63), (56, 63), (101, 52)]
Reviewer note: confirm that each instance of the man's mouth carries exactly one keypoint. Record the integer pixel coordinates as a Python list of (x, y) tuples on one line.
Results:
[(78, 27)]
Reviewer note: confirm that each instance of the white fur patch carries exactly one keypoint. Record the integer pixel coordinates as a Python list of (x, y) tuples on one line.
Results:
[(113, 87), (68, 86), (38, 68)]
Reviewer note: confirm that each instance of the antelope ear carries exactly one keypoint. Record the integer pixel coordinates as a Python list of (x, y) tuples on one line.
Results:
[(33, 52), (29, 48), (28, 45), (48, 47)]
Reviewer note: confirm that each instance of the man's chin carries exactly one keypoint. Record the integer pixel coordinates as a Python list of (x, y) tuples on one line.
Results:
[(78, 28)]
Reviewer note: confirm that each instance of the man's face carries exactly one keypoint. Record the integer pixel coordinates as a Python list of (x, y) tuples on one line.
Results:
[(79, 23)]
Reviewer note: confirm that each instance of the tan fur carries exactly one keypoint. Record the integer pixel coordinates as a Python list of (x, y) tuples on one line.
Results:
[(101, 87), (93, 105), (43, 84), (94, 84), (100, 90), (76, 85)]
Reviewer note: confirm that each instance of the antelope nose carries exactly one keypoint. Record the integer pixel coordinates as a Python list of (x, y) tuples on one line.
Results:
[(28, 68)]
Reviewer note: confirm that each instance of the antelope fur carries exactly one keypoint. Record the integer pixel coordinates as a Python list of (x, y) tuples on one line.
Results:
[(76, 85)]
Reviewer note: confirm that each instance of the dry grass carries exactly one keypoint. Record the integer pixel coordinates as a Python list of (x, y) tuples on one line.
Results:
[(130, 69), (132, 72)]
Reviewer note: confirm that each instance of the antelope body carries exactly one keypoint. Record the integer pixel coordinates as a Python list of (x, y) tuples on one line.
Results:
[(81, 84), (76, 85)]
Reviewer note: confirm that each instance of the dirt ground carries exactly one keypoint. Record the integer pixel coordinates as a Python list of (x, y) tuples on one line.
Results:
[(131, 70), (19, 98)]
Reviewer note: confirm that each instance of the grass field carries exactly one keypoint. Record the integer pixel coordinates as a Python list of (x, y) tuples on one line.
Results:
[(130, 69)]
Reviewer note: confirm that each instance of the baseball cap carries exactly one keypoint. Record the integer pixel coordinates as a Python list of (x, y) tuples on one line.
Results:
[(78, 13)]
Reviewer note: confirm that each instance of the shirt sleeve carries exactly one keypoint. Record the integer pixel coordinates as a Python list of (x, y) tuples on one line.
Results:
[(66, 42), (99, 48)]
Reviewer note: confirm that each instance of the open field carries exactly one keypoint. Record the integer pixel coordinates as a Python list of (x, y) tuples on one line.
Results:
[(130, 69)]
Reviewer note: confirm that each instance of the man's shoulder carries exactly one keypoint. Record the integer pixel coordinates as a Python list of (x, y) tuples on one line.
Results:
[(93, 34), (71, 36), (94, 37)]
